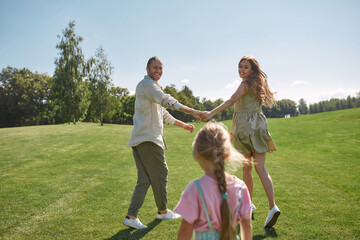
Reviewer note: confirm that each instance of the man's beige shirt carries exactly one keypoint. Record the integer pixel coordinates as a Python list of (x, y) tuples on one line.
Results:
[(150, 113)]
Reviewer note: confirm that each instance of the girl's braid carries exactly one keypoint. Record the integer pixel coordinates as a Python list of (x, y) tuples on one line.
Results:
[(220, 170)]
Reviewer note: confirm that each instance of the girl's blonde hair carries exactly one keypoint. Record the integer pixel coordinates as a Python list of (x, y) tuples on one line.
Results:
[(212, 143), (257, 82)]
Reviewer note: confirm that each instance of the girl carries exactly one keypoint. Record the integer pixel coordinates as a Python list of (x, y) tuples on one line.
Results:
[(213, 204), (250, 134)]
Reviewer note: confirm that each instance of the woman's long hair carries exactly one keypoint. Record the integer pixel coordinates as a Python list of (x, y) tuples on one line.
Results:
[(257, 83), (212, 143)]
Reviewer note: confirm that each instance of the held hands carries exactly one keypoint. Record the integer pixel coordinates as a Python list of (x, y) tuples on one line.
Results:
[(206, 115), (201, 115), (197, 114)]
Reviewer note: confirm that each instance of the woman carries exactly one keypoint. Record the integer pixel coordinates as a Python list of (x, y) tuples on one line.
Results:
[(250, 134)]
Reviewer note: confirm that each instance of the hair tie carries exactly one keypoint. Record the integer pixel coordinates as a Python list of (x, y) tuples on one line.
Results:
[(224, 196)]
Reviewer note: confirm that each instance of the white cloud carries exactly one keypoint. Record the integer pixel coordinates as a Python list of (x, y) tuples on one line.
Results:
[(185, 80), (235, 84), (132, 93), (298, 82)]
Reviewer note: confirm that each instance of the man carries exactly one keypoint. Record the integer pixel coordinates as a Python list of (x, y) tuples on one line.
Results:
[(148, 143)]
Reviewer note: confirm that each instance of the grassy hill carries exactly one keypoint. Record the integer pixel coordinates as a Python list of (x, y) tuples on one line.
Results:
[(75, 182)]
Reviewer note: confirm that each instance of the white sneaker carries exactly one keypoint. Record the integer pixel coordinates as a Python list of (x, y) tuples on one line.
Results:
[(169, 215), (134, 223), (273, 215), (253, 207)]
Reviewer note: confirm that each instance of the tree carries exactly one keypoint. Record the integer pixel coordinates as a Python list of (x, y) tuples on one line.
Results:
[(100, 85), (24, 98), (70, 86), (172, 91), (303, 108), (280, 109), (128, 109), (314, 108), (350, 102), (208, 104), (122, 106)]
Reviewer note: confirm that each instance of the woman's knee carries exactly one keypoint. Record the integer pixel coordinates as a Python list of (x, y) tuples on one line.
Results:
[(247, 164), (247, 167), (260, 168)]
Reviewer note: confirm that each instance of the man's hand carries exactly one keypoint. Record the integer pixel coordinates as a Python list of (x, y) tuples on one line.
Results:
[(188, 127)]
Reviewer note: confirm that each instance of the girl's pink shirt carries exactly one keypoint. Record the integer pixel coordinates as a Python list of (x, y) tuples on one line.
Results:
[(191, 209)]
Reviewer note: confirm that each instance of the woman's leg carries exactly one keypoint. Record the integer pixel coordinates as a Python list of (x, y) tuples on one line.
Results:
[(259, 162), (247, 174)]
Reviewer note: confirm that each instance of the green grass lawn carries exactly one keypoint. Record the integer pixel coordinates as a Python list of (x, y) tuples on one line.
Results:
[(76, 181)]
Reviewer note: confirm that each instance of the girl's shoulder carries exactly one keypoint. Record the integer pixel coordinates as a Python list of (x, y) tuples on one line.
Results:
[(204, 180), (192, 184), (190, 190), (237, 182)]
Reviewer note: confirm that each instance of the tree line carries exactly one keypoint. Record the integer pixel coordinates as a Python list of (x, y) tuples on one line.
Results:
[(82, 90), (335, 104)]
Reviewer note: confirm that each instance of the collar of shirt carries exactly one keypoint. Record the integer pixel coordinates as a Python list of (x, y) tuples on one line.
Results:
[(156, 82)]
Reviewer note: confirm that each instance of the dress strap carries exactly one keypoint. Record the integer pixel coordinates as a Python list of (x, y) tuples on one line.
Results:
[(204, 204)]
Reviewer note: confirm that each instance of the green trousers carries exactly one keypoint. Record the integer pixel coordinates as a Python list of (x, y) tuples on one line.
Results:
[(152, 170)]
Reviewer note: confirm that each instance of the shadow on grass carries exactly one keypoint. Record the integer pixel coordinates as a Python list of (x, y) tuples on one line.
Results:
[(269, 233), (133, 234)]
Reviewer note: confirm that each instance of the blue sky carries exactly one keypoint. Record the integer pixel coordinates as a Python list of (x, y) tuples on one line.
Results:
[(309, 49)]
